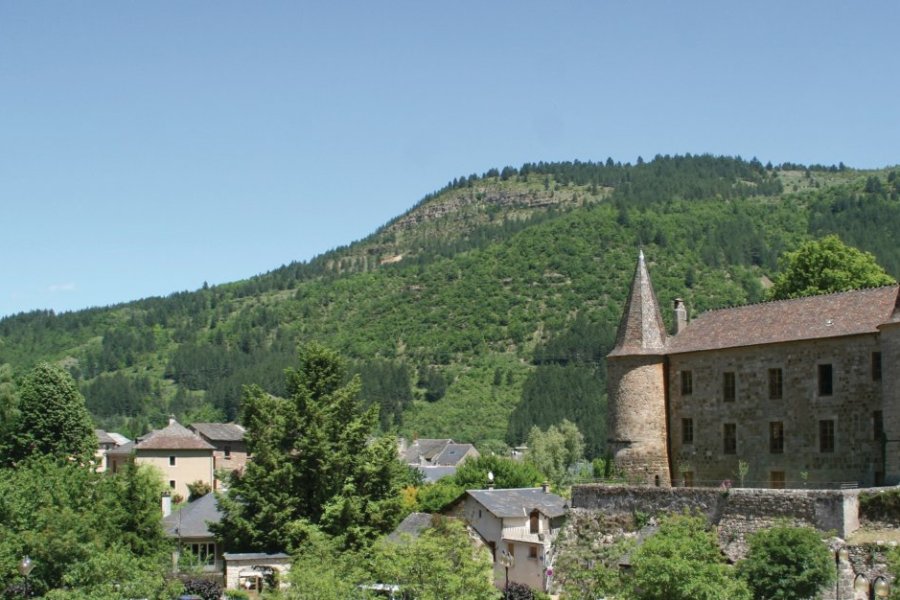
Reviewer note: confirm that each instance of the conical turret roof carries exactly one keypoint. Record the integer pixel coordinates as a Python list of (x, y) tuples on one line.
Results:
[(641, 331)]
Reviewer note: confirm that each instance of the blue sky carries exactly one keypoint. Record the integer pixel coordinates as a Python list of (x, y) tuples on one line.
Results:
[(148, 147)]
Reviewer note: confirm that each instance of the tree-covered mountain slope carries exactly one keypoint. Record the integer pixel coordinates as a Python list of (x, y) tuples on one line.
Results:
[(485, 309)]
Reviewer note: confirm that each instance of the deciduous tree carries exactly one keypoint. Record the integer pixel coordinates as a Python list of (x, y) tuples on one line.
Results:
[(787, 562), (825, 266)]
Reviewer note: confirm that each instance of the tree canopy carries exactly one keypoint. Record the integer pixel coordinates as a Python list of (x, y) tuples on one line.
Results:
[(315, 463), (52, 420), (787, 562), (825, 266), (682, 561)]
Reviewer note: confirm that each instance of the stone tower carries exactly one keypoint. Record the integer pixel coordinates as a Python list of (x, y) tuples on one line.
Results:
[(636, 387), (889, 333)]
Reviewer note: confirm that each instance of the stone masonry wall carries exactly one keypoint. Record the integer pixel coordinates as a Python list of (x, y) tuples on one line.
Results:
[(856, 456), (637, 418)]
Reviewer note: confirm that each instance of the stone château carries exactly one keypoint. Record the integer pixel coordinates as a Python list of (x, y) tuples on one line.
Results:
[(802, 392)]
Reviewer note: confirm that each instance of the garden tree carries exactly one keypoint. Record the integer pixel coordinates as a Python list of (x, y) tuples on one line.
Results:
[(473, 475), (585, 570), (441, 563), (682, 561), (315, 464), (787, 562), (9, 406), (84, 530), (53, 420), (824, 266), (555, 450)]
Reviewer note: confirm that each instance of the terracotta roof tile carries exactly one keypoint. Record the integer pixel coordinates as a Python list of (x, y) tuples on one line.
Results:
[(814, 317), (173, 437)]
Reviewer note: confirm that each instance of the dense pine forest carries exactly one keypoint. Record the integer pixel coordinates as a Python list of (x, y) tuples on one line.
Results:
[(486, 309)]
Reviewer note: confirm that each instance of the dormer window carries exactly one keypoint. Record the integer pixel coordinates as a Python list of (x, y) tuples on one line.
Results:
[(534, 521)]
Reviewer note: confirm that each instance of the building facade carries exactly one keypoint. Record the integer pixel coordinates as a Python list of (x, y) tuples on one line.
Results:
[(789, 393)]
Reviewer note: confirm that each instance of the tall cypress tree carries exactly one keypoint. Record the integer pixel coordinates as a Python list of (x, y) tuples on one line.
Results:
[(53, 420)]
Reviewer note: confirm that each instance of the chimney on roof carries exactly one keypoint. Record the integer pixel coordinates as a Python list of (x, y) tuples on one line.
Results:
[(171, 419), (166, 504), (681, 316), (490, 478), (546, 487)]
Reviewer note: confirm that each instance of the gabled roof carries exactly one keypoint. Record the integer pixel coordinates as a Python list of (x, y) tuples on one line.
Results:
[(413, 525), (453, 454), (192, 521), (104, 438), (436, 452), (641, 330), (519, 502), (814, 317), (219, 432), (425, 448)]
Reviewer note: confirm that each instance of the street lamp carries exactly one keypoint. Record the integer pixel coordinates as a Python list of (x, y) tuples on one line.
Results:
[(507, 560), (25, 567), (840, 555), (881, 588)]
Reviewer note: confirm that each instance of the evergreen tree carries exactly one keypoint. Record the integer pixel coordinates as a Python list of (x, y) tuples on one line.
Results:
[(53, 419), (315, 465), (787, 562)]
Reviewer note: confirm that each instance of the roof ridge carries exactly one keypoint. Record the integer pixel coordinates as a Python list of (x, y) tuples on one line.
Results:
[(798, 298)]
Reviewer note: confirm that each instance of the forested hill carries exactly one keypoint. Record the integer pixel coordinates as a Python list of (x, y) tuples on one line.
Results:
[(486, 308)]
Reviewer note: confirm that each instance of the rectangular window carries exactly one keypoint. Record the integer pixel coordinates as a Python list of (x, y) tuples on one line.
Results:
[(876, 366), (775, 384), (826, 435), (728, 392), (532, 552), (687, 383), (204, 553), (776, 437), (729, 438), (687, 431), (171, 461), (776, 480), (227, 452), (172, 483), (825, 380), (878, 423), (511, 548)]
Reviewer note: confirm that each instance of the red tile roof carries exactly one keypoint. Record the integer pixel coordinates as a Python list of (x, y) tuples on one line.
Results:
[(173, 437), (814, 317)]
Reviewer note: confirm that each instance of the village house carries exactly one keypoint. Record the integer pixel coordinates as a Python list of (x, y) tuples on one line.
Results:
[(435, 458), (789, 393), (196, 546), (106, 442), (519, 526), (230, 451), (182, 456)]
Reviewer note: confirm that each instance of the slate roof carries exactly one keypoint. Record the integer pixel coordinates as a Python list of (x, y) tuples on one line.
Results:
[(424, 447), (192, 521), (641, 330), (220, 432), (413, 525), (519, 502), (104, 438), (814, 317), (452, 454), (433, 473)]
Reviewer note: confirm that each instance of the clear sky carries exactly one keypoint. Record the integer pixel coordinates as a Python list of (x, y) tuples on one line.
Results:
[(147, 147)]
